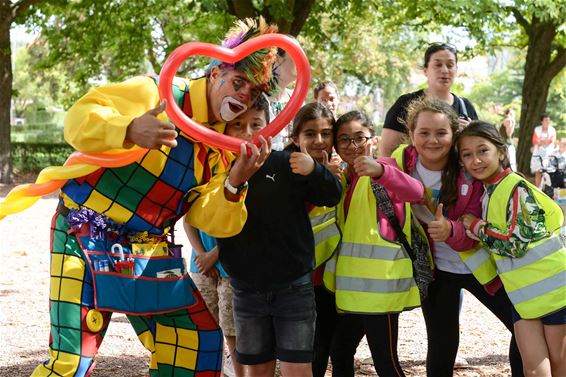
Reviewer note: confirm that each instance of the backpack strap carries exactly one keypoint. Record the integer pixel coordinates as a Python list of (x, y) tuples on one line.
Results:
[(464, 109), (422, 270)]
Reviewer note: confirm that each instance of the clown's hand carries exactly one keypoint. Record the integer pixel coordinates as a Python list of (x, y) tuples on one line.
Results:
[(147, 131)]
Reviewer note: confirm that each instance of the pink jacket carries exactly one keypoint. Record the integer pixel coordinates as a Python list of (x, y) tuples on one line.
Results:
[(470, 192), (400, 187)]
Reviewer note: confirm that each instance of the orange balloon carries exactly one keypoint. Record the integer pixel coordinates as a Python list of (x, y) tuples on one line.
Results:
[(52, 178)]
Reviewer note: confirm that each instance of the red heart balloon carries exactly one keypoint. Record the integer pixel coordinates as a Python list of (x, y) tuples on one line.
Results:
[(211, 137)]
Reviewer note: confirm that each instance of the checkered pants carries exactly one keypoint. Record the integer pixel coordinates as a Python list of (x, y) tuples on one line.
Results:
[(186, 342)]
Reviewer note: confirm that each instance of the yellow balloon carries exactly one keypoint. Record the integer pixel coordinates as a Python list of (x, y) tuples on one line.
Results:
[(52, 178)]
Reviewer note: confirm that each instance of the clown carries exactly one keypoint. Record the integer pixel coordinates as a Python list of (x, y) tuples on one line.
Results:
[(112, 248)]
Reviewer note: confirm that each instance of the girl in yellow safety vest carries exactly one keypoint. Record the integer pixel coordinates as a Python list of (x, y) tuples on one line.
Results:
[(450, 193), (373, 273), (312, 130), (520, 226)]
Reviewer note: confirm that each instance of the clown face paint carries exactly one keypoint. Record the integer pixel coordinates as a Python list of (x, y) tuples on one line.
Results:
[(231, 108)]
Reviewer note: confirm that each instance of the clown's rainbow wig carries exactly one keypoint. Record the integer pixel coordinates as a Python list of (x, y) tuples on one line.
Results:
[(258, 65)]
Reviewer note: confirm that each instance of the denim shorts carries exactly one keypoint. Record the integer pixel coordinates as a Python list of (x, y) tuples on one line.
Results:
[(277, 324), (556, 318)]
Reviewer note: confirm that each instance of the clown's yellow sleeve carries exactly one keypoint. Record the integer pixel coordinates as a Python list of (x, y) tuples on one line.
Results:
[(212, 213), (98, 121)]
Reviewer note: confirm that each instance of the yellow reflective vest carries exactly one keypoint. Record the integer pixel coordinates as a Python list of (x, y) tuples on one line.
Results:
[(369, 274), (326, 233), (478, 260), (536, 282)]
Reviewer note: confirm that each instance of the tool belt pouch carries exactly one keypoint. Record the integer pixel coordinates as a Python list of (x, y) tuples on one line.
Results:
[(135, 284)]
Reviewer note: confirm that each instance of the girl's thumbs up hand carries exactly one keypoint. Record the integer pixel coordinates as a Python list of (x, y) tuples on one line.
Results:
[(440, 228), (367, 165), (301, 162), (334, 164)]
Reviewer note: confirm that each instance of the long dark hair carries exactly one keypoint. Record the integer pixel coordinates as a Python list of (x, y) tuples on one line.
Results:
[(310, 111), (486, 131), (451, 171)]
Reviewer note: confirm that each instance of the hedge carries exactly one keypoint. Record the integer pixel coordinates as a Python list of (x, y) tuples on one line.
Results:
[(32, 157)]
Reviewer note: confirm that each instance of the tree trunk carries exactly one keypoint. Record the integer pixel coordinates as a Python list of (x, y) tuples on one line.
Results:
[(5, 92), (241, 8), (535, 87), (300, 10)]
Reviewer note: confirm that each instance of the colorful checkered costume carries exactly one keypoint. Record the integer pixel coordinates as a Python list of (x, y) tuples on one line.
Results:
[(146, 196), (138, 204)]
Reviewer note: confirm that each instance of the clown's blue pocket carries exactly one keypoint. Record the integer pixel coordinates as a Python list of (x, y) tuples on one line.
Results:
[(135, 284)]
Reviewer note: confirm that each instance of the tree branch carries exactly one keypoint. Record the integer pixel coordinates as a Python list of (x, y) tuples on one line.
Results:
[(151, 56), (301, 11), (22, 6), (230, 6), (242, 8), (520, 19), (557, 64)]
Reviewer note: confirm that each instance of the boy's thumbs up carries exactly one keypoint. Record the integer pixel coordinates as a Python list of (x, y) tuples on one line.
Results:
[(301, 162), (439, 211)]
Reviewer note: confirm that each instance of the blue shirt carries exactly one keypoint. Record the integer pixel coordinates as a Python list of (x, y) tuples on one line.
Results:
[(208, 242)]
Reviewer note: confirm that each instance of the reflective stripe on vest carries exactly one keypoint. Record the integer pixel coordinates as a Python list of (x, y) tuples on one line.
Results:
[(322, 218), (480, 263), (326, 242), (326, 233), (374, 285), (534, 254), (372, 275), (537, 289), (349, 249), (478, 260), (536, 282), (329, 276)]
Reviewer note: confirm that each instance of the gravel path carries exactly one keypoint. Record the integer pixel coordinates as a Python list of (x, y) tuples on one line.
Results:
[(24, 314)]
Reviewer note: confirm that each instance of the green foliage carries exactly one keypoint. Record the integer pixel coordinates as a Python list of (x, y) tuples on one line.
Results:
[(498, 91), (367, 48), (119, 39), (37, 132), (38, 88), (344, 40), (351, 47), (33, 157), (556, 105), (502, 89), (536, 26)]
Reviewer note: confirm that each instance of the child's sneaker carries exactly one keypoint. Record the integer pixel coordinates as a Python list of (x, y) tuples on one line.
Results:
[(460, 363), (228, 367)]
